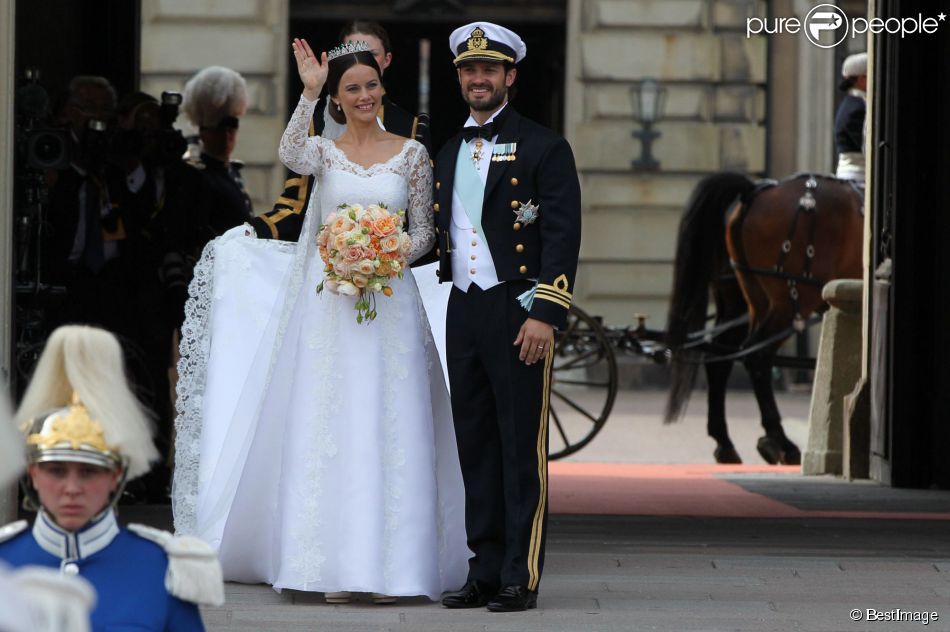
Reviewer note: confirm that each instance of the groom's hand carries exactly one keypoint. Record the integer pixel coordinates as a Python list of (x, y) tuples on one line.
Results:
[(535, 338)]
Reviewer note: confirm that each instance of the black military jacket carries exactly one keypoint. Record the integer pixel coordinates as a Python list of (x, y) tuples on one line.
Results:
[(285, 220), (540, 171)]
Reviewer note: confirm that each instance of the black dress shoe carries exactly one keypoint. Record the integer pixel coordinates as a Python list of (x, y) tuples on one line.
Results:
[(513, 599), (474, 594)]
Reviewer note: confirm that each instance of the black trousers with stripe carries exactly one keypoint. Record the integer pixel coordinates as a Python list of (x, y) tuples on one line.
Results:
[(500, 407)]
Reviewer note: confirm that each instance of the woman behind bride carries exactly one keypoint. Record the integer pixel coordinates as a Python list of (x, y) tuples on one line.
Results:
[(313, 452)]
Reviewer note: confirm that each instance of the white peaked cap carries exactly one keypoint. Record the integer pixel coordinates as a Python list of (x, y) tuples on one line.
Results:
[(484, 41)]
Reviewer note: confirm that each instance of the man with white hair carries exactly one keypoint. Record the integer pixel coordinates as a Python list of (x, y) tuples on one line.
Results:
[(214, 100), (849, 120)]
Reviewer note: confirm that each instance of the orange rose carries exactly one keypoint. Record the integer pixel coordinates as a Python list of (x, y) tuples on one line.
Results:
[(389, 243), (384, 226)]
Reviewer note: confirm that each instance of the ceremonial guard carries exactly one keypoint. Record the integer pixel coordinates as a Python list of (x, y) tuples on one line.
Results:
[(35, 599), (849, 119), (285, 220), (79, 456), (507, 209)]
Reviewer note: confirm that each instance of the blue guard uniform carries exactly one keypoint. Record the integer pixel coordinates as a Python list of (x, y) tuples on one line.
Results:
[(129, 568)]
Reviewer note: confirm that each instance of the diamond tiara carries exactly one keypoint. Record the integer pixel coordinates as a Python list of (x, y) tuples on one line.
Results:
[(355, 46)]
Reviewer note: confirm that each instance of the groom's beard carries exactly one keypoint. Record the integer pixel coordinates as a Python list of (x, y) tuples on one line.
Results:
[(495, 98)]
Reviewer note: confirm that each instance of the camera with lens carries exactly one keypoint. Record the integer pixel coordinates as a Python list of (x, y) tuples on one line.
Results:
[(145, 134), (149, 134), (41, 146)]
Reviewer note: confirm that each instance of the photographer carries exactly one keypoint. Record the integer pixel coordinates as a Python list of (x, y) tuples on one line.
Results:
[(100, 209)]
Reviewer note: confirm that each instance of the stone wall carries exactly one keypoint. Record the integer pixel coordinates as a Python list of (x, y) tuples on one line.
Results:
[(8, 493), (179, 37), (714, 120)]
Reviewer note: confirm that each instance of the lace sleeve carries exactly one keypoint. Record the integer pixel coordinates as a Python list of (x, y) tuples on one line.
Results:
[(421, 219), (300, 152)]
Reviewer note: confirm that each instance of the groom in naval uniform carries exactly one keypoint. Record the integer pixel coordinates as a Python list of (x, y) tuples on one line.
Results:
[(507, 209)]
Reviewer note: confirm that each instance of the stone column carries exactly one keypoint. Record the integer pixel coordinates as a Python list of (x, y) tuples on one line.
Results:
[(838, 370), (7, 41), (180, 37), (816, 95)]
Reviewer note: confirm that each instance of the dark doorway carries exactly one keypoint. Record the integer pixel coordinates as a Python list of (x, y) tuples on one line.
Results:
[(65, 38), (910, 195), (540, 82), (55, 40)]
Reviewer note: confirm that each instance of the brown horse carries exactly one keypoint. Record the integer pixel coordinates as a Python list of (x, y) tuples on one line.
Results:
[(763, 251)]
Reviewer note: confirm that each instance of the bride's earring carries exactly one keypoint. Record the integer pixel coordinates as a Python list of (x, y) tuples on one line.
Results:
[(339, 108)]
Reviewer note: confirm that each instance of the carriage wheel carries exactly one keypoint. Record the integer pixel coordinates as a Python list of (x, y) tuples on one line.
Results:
[(584, 385)]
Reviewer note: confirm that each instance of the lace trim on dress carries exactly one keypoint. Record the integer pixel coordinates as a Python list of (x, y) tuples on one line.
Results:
[(394, 457), (192, 373), (194, 349), (300, 152), (412, 163)]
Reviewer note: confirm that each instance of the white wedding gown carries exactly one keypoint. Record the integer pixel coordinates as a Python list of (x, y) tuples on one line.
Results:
[(313, 452)]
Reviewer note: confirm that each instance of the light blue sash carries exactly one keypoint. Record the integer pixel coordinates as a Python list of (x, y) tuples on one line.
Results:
[(469, 187)]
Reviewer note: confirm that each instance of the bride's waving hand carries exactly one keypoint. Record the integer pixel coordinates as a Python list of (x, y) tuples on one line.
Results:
[(312, 71)]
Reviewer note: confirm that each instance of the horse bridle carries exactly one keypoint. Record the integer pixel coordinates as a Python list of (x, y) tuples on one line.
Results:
[(807, 207)]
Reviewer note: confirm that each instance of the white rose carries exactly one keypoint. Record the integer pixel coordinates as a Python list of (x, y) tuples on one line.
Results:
[(348, 289)]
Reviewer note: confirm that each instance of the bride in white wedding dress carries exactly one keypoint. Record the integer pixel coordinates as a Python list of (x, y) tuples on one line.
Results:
[(313, 452)]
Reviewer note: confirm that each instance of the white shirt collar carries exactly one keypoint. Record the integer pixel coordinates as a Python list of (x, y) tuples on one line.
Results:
[(471, 122), (66, 545)]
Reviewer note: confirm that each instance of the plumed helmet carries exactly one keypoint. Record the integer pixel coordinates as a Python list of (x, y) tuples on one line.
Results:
[(79, 407)]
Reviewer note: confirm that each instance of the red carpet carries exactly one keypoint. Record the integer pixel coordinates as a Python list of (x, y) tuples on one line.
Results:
[(680, 490)]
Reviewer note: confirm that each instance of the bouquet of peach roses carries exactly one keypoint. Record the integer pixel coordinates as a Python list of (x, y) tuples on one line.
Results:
[(363, 248)]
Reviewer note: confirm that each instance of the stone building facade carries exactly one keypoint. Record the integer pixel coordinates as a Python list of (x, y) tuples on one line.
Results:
[(715, 119)]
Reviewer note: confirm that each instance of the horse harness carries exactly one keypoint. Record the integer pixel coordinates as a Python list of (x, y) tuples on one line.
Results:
[(806, 208)]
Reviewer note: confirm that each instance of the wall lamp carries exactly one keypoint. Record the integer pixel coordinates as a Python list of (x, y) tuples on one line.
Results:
[(649, 100)]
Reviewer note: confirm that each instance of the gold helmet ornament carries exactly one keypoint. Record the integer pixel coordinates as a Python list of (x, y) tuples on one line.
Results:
[(79, 407), (71, 434)]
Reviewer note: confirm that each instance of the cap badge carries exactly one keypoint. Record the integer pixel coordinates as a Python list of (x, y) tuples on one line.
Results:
[(477, 40)]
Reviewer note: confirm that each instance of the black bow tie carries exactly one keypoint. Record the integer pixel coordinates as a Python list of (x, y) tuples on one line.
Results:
[(486, 131)]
